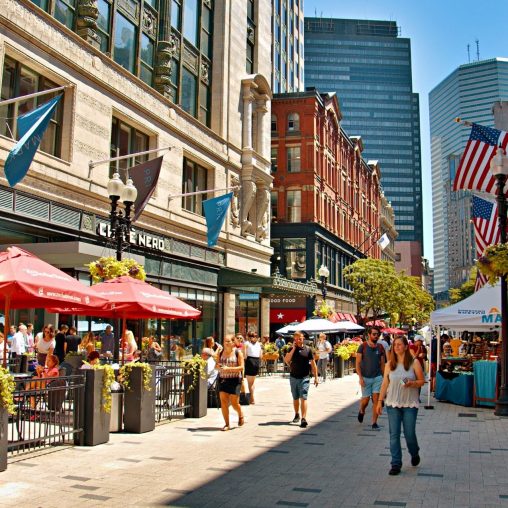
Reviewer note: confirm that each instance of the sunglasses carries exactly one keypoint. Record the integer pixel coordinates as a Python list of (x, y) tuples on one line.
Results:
[(374, 334)]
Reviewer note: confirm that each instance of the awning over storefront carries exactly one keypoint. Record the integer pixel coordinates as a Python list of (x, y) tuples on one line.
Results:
[(276, 284), (287, 315), (343, 316)]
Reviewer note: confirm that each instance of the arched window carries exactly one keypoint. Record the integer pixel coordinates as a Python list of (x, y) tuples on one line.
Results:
[(293, 122), (274, 123)]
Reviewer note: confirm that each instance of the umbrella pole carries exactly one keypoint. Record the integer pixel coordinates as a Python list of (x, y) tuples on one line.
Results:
[(124, 329), (6, 329)]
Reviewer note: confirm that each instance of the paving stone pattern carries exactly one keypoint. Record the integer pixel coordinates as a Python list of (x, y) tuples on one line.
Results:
[(335, 462)]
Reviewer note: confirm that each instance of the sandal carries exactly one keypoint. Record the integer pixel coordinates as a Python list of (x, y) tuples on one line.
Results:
[(225, 428), (241, 421)]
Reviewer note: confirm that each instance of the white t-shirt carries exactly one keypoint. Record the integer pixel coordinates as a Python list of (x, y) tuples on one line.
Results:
[(324, 349), (253, 350), (18, 344), (43, 346)]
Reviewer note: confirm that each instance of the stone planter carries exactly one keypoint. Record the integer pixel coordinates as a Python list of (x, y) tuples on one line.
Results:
[(338, 366), (4, 421), (139, 404), (97, 421), (198, 398), (75, 361)]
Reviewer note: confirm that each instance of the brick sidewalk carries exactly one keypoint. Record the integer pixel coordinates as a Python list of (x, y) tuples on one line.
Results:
[(334, 462)]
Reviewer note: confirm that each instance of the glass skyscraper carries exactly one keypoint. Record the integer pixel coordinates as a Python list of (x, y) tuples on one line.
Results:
[(369, 66), (287, 46), (469, 92)]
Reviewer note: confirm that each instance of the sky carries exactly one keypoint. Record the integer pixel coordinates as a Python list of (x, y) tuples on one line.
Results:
[(440, 31)]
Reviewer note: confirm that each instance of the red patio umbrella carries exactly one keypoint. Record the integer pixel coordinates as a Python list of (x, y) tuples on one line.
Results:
[(135, 299), (28, 282), (395, 331)]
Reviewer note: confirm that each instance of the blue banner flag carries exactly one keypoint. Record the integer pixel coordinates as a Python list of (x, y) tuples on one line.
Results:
[(31, 128), (215, 213)]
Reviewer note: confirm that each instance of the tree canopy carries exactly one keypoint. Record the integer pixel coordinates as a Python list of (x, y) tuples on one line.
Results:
[(379, 290), (467, 289)]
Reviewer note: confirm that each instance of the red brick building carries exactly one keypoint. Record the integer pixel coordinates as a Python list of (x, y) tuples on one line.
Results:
[(325, 199)]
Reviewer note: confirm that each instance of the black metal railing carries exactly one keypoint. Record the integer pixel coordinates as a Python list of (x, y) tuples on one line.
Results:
[(49, 412), (172, 399)]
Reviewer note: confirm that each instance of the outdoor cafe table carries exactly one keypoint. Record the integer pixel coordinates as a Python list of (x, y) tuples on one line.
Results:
[(455, 387)]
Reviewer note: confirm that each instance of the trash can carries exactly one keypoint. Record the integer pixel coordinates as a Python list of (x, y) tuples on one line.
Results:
[(116, 423)]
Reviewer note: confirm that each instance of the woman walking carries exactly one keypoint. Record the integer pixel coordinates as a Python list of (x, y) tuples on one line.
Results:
[(403, 377), (230, 366), (253, 352)]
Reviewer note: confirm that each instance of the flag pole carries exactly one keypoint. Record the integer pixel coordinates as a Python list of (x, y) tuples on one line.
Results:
[(185, 194), (33, 95), (467, 123)]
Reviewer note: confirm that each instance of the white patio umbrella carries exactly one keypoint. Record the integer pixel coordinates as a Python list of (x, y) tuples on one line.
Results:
[(313, 325), (349, 326)]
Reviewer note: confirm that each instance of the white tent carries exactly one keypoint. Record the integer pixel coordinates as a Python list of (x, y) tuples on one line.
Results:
[(313, 325), (479, 312)]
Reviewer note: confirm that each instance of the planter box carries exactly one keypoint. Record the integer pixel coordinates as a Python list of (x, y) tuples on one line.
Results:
[(75, 361), (338, 366), (139, 404), (198, 398), (4, 421), (96, 425)]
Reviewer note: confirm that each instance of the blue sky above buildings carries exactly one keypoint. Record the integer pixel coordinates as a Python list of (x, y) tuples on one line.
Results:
[(440, 31)]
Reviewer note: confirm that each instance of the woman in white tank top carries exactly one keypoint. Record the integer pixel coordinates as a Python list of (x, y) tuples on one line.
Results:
[(402, 379)]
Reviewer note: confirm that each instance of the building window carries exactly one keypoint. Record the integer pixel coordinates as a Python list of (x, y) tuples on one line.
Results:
[(293, 122), (126, 139), (274, 124), (293, 159), (295, 258), (251, 37), (294, 206), (63, 10), (18, 80), (195, 178), (274, 200), (273, 157), (124, 51)]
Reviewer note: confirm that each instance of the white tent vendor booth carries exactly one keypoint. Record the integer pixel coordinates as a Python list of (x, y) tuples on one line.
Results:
[(480, 312)]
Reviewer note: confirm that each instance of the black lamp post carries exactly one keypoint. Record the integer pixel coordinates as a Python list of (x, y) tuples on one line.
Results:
[(499, 168), (120, 222), (323, 274)]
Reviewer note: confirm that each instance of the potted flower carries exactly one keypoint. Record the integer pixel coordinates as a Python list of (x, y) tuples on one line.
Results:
[(98, 381), (196, 386), (7, 387), (494, 262), (139, 399), (106, 268), (270, 352)]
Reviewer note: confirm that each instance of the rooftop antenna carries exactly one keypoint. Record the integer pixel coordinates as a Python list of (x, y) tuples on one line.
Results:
[(468, 53), (477, 50)]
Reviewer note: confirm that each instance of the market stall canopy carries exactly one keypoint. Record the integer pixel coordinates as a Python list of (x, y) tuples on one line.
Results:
[(135, 299), (395, 331), (314, 325), (349, 326), (288, 329), (479, 312)]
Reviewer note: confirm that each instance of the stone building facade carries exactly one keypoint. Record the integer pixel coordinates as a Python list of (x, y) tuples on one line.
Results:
[(123, 98)]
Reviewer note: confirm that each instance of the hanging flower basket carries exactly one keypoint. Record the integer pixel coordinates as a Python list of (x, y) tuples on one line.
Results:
[(494, 262), (106, 268)]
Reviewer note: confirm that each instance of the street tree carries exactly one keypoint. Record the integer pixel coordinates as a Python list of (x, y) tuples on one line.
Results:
[(467, 289)]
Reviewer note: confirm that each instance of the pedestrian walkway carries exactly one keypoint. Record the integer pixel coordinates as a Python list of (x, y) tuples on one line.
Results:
[(335, 462)]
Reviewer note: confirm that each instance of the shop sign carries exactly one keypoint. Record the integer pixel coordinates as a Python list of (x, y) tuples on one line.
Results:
[(493, 317), (135, 237), (248, 296), (289, 301)]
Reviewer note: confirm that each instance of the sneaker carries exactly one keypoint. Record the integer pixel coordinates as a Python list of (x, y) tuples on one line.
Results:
[(375, 426), (415, 460), (360, 416), (394, 471), (304, 423), (296, 419)]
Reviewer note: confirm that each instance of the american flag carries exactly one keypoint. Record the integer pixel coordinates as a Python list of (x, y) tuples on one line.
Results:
[(486, 228), (480, 281), (474, 169)]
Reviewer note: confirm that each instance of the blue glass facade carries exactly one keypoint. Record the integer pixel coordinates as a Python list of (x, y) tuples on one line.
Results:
[(469, 93), (369, 66)]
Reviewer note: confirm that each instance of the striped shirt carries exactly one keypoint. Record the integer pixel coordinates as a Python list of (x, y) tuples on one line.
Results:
[(229, 361)]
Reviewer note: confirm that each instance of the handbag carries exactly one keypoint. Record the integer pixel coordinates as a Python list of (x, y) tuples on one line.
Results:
[(244, 396)]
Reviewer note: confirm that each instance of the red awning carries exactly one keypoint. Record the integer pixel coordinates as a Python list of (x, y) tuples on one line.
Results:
[(350, 317), (281, 316), (377, 322)]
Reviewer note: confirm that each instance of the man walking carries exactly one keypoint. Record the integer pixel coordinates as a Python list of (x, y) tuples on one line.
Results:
[(370, 366), (300, 361), (107, 341)]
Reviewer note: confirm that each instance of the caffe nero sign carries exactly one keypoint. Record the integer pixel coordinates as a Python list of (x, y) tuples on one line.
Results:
[(138, 238)]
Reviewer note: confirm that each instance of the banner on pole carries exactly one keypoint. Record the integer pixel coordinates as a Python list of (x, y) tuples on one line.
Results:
[(215, 213)]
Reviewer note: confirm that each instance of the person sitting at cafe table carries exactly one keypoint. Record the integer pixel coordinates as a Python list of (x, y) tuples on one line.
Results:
[(91, 360), (51, 370)]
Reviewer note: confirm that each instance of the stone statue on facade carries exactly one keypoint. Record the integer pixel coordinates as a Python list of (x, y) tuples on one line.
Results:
[(262, 202), (248, 202)]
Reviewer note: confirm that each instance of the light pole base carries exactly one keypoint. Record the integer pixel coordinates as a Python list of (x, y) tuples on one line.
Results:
[(502, 403)]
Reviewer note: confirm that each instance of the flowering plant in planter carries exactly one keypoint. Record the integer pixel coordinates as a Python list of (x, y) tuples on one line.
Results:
[(106, 268), (270, 348), (346, 349), (107, 381), (7, 387), (323, 311), (124, 374), (494, 262), (197, 367)]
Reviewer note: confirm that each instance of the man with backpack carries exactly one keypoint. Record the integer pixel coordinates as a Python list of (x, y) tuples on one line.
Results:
[(370, 366)]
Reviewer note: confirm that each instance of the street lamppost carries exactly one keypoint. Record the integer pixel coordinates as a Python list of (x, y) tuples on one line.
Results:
[(323, 274), (499, 168), (121, 221)]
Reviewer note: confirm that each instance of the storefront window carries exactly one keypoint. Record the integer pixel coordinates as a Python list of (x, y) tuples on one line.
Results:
[(247, 313)]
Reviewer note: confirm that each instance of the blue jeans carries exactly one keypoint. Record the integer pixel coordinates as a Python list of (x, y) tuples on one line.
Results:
[(407, 417)]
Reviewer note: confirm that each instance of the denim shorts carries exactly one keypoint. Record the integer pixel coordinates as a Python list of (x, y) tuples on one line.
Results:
[(299, 387), (372, 385)]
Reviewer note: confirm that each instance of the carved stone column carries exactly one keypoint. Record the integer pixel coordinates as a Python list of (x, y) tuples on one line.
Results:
[(86, 22), (167, 47), (261, 111), (247, 118)]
